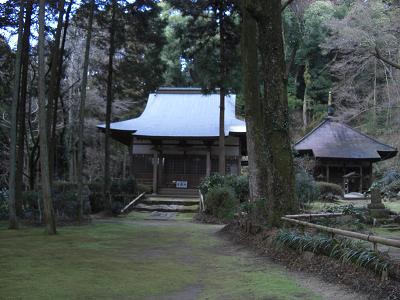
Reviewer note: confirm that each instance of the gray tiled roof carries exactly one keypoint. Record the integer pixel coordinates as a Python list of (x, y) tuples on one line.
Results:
[(336, 140), (182, 113)]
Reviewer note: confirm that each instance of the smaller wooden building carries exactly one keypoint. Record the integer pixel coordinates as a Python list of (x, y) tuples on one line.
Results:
[(343, 154)]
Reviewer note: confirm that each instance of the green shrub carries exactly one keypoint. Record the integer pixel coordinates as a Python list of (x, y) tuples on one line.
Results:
[(239, 185), (143, 188), (30, 198), (256, 208), (123, 186), (306, 188), (214, 180), (122, 191), (65, 199), (220, 201), (392, 189), (326, 188), (3, 204)]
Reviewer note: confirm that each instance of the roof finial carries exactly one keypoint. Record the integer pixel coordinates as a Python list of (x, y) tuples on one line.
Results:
[(331, 110)]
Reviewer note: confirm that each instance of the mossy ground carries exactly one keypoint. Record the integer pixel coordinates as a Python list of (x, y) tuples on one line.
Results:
[(125, 259)]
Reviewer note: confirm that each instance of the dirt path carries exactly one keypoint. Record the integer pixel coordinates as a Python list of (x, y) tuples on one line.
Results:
[(223, 270)]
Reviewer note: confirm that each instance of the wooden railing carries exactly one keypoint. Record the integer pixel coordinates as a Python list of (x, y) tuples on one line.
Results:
[(356, 235), (202, 206), (132, 202)]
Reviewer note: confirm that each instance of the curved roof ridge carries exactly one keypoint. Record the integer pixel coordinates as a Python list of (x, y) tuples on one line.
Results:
[(334, 139), (181, 114)]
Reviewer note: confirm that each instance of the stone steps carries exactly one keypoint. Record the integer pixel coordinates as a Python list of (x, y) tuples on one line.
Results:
[(152, 203), (185, 201), (167, 208), (178, 192)]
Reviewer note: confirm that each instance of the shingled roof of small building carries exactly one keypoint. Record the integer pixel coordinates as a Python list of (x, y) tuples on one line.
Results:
[(181, 112), (336, 140)]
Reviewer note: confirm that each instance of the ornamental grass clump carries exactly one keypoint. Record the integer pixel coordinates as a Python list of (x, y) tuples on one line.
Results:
[(344, 250)]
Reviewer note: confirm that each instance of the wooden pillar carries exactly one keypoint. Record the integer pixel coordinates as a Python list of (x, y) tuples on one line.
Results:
[(208, 162), (131, 160), (361, 178), (155, 176), (239, 161), (327, 173), (124, 165), (371, 177), (160, 169), (344, 173)]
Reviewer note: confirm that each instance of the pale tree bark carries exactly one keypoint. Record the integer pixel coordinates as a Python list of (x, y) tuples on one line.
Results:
[(13, 221), (22, 107), (107, 179), (251, 95), (82, 111), (43, 130), (307, 82)]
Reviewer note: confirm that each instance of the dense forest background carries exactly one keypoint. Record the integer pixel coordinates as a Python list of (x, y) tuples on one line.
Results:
[(347, 48)]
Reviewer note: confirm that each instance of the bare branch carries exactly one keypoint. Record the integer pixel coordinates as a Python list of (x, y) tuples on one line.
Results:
[(378, 55)]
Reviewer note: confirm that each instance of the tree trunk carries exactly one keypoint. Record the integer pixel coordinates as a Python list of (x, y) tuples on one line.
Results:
[(307, 82), (270, 150), (82, 112), (13, 221), (305, 108), (52, 99), (107, 180), (22, 108), (222, 93), (58, 87), (251, 96), (43, 130), (279, 166)]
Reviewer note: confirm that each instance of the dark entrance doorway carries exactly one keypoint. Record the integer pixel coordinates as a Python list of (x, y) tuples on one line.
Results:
[(183, 168)]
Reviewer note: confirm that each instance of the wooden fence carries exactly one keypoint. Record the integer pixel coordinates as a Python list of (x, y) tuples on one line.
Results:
[(356, 235)]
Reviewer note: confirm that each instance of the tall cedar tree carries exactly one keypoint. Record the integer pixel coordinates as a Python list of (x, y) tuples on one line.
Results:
[(43, 129), (82, 110), (13, 221), (268, 115), (22, 106), (212, 25), (111, 52), (51, 111)]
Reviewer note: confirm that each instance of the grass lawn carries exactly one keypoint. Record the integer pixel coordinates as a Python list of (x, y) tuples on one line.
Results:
[(136, 259)]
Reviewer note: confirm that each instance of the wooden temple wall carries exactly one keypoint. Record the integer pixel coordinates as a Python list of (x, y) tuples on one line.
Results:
[(336, 171), (188, 161)]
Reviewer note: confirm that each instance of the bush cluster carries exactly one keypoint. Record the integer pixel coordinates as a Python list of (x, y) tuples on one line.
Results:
[(122, 191), (327, 189), (223, 194), (306, 188), (221, 202), (65, 201), (389, 184), (3, 204)]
